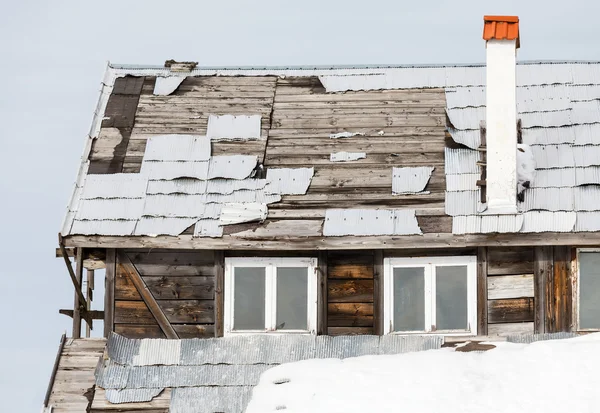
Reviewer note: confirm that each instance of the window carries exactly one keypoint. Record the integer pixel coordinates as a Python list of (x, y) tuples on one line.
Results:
[(266, 295), (588, 289), (431, 295)]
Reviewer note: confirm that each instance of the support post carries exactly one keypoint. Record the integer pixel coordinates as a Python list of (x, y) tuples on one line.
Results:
[(219, 291), (543, 270), (378, 293), (322, 293), (78, 303), (89, 296), (482, 291), (109, 292)]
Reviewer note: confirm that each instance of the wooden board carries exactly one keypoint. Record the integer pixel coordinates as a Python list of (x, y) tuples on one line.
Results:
[(350, 315), (510, 286), (153, 331), (159, 404), (507, 329), (510, 261), (511, 310), (348, 291)]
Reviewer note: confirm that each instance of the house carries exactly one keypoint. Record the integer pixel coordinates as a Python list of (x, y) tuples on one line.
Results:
[(286, 213)]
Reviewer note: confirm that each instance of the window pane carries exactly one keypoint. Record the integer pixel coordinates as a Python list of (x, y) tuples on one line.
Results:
[(409, 299), (451, 298), (292, 296), (249, 298), (589, 288)]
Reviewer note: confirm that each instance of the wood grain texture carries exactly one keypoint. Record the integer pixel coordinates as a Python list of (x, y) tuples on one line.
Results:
[(507, 329), (79, 304), (154, 331), (482, 291), (350, 315), (511, 310), (378, 293), (510, 261), (219, 293), (349, 331), (322, 294), (562, 289), (348, 291), (543, 273), (510, 286), (109, 291)]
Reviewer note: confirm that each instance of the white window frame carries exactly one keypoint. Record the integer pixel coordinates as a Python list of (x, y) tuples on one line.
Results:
[(270, 265), (577, 288), (429, 263)]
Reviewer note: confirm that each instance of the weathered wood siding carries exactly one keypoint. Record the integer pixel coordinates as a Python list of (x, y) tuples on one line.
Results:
[(350, 293), (181, 282)]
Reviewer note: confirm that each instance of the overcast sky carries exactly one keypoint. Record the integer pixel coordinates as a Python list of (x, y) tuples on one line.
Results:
[(53, 55)]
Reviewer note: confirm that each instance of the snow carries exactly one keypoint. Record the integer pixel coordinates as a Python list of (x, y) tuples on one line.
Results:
[(546, 376), (525, 167)]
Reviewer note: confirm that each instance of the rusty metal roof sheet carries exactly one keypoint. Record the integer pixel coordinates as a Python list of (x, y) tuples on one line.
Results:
[(364, 222), (232, 127), (410, 180)]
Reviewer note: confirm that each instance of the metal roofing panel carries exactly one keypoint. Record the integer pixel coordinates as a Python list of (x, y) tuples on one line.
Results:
[(466, 118), (532, 338), (547, 74), (587, 198), (117, 396), (157, 351), (471, 75), (228, 186), (553, 178), (587, 134), (410, 180), (288, 181), (243, 196), (462, 182), (164, 86), (543, 98), (237, 213), (585, 73), (342, 347), (395, 344), (549, 136), (114, 186), (462, 202), (587, 221), (347, 156), (177, 148), (114, 209), (364, 222), (470, 138), (401, 78), (214, 399), (117, 227), (586, 155), (233, 127), (501, 223), (174, 205), (231, 166), (553, 156), (466, 224), (121, 349), (546, 221), (584, 92), (177, 186), (154, 226), (548, 199), (546, 119), (587, 175), (461, 161), (464, 97), (208, 228), (586, 112), (160, 170), (110, 375)]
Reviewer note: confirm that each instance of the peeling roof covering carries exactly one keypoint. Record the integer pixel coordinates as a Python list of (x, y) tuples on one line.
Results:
[(217, 375), (363, 222), (288, 181), (233, 127), (166, 85), (347, 156), (410, 180)]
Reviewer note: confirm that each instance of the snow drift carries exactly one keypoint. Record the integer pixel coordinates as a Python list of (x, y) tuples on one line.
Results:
[(546, 376)]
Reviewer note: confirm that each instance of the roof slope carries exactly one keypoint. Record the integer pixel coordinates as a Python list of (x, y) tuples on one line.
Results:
[(378, 121)]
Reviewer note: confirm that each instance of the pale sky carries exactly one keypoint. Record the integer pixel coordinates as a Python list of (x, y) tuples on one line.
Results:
[(53, 55)]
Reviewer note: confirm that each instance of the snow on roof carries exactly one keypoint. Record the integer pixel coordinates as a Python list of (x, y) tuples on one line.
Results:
[(546, 376)]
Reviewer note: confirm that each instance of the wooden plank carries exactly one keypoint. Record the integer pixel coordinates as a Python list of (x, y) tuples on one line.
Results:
[(188, 311), (109, 291), (322, 293), (78, 303), (508, 329), (154, 331), (219, 293), (76, 285), (124, 288), (61, 345), (510, 261), (147, 297), (346, 265), (350, 315), (185, 288), (172, 259), (511, 310), (482, 291), (543, 273), (562, 288), (89, 296), (349, 331), (510, 286), (378, 293), (132, 312), (159, 404), (350, 291)]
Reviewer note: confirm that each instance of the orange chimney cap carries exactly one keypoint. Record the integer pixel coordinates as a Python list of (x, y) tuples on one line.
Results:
[(501, 28)]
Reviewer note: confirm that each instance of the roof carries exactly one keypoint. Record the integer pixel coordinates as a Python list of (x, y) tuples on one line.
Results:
[(232, 156)]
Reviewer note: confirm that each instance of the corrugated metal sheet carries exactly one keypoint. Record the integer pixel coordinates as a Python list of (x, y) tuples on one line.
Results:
[(220, 399), (238, 213), (347, 156), (466, 224), (208, 228), (548, 136), (121, 349), (175, 205), (532, 338), (158, 170), (548, 74), (346, 346), (545, 98), (103, 227), (114, 186), (546, 221), (164, 86), (228, 186), (288, 181), (364, 222), (177, 148), (462, 202), (154, 226), (157, 351), (110, 375), (587, 155), (470, 138), (587, 198), (587, 221), (546, 119), (549, 199), (231, 166), (394, 344), (587, 175), (410, 180), (585, 73), (462, 182), (118, 396), (461, 161), (464, 97), (345, 135), (177, 186), (587, 134), (487, 224), (466, 118), (471, 75), (553, 156), (233, 127), (113, 209), (584, 92), (586, 112), (554, 178)]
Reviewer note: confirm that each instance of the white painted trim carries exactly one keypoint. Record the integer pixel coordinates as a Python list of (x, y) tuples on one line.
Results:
[(270, 265), (577, 289), (429, 264)]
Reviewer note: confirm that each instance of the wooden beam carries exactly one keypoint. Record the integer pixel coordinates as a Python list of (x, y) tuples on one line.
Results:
[(109, 292), (160, 317), (542, 273), (92, 314), (322, 293), (219, 292), (70, 252), (78, 304), (482, 291), (378, 294), (231, 242), (72, 274), (89, 291), (61, 346)]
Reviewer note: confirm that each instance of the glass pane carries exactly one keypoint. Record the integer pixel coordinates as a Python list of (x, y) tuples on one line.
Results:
[(292, 296), (409, 299), (451, 298), (249, 298), (589, 290)]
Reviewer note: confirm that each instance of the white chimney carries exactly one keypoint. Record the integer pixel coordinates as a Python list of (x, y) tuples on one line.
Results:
[(502, 40)]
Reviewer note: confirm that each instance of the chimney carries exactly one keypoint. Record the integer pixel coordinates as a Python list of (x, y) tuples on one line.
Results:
[(502, 41)]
